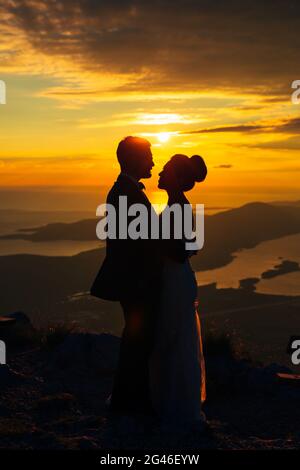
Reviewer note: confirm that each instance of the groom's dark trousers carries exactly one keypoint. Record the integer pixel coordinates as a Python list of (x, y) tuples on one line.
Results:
[(131, 387), (131, 274)]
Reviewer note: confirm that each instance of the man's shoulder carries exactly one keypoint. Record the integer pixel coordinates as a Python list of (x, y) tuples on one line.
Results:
[(113, 192), (118, 189), (124, 187)]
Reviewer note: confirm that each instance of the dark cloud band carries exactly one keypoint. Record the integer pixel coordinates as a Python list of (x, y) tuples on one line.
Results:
[(178, 44)]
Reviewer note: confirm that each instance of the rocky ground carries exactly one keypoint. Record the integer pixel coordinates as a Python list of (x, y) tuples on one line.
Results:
[(53, 396)]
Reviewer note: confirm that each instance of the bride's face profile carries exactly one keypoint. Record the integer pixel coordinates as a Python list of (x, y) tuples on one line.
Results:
[(167, 178), (181, 173)]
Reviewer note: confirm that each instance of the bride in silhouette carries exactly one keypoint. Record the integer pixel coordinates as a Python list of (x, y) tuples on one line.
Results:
[(177, 371)]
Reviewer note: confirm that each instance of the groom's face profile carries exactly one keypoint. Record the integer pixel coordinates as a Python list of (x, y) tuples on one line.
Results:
[(146, 163), (135, 157)]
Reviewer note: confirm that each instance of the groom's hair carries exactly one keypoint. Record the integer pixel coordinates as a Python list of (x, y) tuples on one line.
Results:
[(130, 151)]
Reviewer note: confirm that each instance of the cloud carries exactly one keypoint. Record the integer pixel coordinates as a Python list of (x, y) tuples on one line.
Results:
[(141, 119), (287, 126), (224, 165), (292, 143), (54, 165), (52, 160), (159, 45), (237, 128)]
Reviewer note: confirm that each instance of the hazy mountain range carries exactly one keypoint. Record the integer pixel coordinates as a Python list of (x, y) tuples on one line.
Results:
[(52, 289), (225, 232)]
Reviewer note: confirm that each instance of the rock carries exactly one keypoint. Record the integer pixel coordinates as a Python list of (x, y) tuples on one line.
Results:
[(6, 322), (87, 443), (13, 427), (264, 378), (4, 411), (8, 377), (80, 443), (278, 369), (45, 440), (57, 404), (220, 370), (19, 317), (89, 352), (228, 373), (224, 371), (16, 329), (289, 379), (249, 284)]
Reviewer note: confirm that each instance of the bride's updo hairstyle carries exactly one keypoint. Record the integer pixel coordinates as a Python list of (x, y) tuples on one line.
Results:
[(188, 171)]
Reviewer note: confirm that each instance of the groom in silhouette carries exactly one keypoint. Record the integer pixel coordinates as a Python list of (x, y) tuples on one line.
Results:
[(130, 274)]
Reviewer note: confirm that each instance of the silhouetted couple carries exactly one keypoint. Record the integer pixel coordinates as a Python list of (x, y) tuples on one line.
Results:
[(161, 366)]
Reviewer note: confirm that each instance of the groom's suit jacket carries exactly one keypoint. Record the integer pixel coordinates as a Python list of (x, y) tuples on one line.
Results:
[(131, 268)]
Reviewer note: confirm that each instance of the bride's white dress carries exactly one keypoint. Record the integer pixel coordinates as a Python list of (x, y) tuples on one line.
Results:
[(177, 370)]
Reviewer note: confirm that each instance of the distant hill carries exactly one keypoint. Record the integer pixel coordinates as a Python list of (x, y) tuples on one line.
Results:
[(83, 230), (49, 288), (225, 232), (285, 267), (42, 217), (244, 227), (286, 203), (42, 283)]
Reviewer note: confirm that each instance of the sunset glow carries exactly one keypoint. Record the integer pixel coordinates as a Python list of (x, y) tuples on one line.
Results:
[(163, 137), (70, 101), (149, 230)]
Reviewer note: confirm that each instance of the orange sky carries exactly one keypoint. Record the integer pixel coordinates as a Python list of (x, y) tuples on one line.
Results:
[(81, 76)]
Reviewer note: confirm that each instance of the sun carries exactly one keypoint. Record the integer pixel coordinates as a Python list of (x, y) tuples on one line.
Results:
[(163, 136)]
